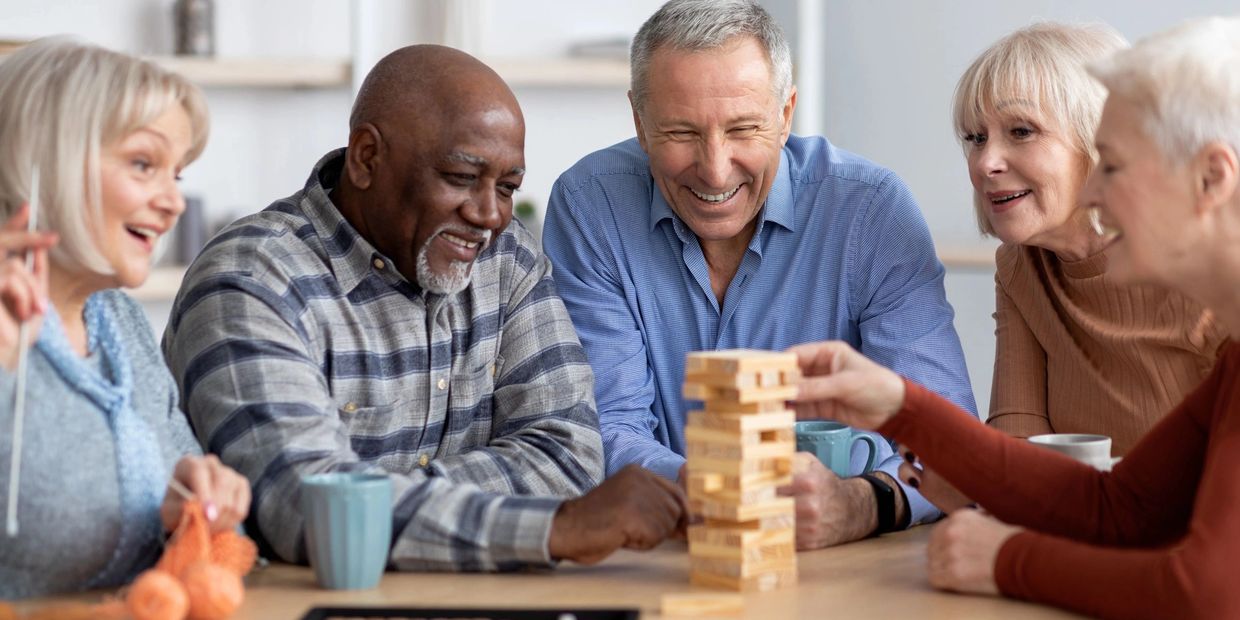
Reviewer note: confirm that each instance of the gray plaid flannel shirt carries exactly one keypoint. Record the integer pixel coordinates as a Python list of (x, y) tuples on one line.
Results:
[(299, 349)]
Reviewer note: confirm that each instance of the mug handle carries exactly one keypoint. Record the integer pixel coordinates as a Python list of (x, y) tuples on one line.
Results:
[(869, 462)]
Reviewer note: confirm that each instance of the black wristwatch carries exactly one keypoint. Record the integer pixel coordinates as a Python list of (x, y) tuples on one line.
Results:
[(886, 497)]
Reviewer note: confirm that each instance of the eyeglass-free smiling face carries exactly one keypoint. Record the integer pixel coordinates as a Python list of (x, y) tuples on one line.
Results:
[(1026, 174), (714, 130)]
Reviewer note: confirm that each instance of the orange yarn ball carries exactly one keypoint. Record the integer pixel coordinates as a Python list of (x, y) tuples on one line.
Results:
[(190, 543), (157, 595), (233, 551), (215, 592)]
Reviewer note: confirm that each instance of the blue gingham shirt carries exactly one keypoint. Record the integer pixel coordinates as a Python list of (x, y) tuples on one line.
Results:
[(299, 349), (841, 251)]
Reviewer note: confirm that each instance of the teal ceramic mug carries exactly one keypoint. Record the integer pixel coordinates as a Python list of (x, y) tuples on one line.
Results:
[(348, 520), (833, 444)]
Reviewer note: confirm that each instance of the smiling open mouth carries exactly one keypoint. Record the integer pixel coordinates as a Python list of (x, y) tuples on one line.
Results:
[(146, 234), (715, 198), (1010, 197), (455, 240)]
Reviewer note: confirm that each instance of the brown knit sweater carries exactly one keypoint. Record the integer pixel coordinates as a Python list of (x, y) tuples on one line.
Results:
[(1077, 353)]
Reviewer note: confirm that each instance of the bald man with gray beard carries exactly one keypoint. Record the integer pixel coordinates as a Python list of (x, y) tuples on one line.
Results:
[(391, 317)]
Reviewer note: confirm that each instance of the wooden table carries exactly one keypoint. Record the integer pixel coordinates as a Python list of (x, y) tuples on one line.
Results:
[(880, 578)]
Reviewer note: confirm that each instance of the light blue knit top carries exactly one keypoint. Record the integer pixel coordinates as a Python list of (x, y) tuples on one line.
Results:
[(70, 507)]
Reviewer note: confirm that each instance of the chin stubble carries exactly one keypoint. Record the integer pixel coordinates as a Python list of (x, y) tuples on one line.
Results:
[(458, 274)]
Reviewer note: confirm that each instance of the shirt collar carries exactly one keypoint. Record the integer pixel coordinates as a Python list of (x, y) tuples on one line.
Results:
[(779, 209), (351, 257)]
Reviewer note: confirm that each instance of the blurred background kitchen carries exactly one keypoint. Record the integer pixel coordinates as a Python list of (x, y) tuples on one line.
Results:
[(874, 77)]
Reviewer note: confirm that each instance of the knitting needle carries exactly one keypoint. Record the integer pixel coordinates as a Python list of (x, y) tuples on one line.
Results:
[(208, 509), (19, 398), (181, 489)]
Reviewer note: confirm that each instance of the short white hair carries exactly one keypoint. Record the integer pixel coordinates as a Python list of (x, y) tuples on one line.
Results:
[(1185, 81), (1045, 64), (61, 103), (697, 25)]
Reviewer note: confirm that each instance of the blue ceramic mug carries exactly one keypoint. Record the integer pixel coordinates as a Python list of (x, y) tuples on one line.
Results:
[(348, 528), (833, 443)]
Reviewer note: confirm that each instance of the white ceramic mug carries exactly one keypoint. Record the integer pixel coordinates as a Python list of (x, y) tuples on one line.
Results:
[(1093, 450)]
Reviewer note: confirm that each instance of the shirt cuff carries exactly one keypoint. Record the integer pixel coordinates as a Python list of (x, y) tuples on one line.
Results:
[(521, 532), (667, 466), (920, 509)]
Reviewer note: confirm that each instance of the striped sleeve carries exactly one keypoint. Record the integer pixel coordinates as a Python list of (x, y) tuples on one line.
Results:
[(243, 357)]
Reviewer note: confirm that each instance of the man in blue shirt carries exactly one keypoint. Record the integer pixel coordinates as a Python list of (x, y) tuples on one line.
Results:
[(717, 229)]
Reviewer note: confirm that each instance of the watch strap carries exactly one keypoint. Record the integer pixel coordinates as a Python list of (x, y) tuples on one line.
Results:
[(886, 498)]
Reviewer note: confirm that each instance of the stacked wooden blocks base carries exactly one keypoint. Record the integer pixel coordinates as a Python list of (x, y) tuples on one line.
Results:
[(739, 451)]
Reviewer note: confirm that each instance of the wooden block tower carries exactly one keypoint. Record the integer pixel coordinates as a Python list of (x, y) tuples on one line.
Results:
[(739, 450)]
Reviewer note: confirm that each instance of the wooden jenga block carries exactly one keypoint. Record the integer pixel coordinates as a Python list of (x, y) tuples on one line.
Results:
[(739, 568), (753, 553), (783, 419), (715, 447), (724, 486), (737, 537), (701, 604), (771, 523), (727, 406), (771, 377), (740, 396), (753, 495), (695, 431), (742, 545), (747, 467), (763, 582), (735, 361), (741, 512)]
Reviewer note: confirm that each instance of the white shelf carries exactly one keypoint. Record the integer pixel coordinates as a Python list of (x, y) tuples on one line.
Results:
[(161, 286), (260, 72), (256, 72), (579, 72)]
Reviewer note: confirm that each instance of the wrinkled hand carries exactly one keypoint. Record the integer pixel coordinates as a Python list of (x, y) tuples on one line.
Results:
[(830, 510), (23, 293), (841, 384), (634, 509), (932, 486), (224, 493), (962, 551)]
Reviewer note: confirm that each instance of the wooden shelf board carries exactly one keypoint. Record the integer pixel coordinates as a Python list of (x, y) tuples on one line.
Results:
[(578, 72), (969, 257), (260, 72)]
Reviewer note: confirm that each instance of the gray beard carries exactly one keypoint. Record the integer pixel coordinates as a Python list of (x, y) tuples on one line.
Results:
[(458, 273)]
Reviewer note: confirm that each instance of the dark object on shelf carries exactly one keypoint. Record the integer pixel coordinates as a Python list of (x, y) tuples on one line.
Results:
[(195, 27), (191, 232), (347, 613)]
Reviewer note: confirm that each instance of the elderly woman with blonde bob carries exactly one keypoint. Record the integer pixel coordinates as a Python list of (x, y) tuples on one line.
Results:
[(1076, 352), (1157, 536), (102, 433)]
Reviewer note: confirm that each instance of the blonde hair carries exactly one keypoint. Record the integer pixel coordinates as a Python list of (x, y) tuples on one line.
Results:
[(61, 103), (1186, 81), (1044, 64)]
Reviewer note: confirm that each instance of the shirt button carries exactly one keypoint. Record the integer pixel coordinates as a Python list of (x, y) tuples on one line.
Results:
[(443, 384), (379, 264), (423, 460), (350, 407)]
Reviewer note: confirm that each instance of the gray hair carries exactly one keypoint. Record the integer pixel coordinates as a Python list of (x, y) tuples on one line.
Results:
[(61, 103), (696, 25), (1044, 64), (1186, 82)]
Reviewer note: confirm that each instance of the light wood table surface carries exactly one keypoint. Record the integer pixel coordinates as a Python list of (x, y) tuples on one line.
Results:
[(879, 578)]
